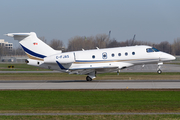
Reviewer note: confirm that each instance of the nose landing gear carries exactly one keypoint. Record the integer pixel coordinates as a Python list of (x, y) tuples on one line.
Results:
[(159, 71)]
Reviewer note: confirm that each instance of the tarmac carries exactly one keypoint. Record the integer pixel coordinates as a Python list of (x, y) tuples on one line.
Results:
[(82, 84)]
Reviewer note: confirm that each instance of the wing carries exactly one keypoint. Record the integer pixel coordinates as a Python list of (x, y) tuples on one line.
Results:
[(99, 68), (84, 71)]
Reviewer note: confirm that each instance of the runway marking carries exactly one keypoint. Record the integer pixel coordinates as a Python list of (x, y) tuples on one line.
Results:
[(96, 85), (153, 84)]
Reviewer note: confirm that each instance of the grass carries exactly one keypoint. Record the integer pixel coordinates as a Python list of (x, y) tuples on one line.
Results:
[(174, 63), (105, 76), (95, 117), (89, 101), (139, 76), (40, 76), (20, 67)]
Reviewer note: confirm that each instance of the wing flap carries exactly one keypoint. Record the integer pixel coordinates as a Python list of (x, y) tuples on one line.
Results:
[(103, 67)]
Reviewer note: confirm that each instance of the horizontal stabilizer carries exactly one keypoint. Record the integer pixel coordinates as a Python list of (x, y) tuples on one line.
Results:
[(19, 36)]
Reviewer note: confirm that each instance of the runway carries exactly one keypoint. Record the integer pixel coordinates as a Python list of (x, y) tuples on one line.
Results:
[(96, 84)]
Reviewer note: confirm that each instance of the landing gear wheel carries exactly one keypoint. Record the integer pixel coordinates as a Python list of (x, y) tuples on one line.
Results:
[(159, 71), (88, 78)]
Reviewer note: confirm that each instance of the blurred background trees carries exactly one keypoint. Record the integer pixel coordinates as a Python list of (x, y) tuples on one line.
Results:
[(175, 47), (87, 43), (101, 41), (56, 44)]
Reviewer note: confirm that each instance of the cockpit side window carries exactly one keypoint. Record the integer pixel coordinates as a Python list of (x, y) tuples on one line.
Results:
[(148, 50), (156, 50)]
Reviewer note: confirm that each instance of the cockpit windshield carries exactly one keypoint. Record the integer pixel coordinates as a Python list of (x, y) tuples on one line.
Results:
[(148, 50), (156, 50)]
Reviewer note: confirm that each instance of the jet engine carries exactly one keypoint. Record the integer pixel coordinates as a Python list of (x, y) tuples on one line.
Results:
[(33, 62)]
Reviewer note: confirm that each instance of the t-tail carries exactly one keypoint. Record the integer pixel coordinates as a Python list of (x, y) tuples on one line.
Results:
[(35, 48)]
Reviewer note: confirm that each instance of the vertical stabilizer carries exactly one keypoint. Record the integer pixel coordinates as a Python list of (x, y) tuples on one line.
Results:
[(33, 46)]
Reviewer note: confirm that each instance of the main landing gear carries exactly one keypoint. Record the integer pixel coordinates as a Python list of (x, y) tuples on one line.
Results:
[(91, 76), (88, 78)]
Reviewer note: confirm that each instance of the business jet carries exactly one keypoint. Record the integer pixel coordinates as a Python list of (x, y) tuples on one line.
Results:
[(88, 62)]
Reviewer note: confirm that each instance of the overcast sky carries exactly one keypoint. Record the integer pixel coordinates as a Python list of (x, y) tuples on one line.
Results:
[(151, 20)]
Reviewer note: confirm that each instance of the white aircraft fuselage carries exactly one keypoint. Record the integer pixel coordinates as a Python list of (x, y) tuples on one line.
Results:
[(88, 62)]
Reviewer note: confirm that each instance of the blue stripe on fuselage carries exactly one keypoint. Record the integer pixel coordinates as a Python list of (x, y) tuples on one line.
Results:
[(92, 60), (125, 60)]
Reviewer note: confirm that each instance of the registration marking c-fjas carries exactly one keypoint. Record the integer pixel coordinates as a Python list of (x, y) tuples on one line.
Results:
[(62, 56)]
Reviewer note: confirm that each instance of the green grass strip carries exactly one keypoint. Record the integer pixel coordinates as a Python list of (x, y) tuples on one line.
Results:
[(20, 67), (94, 117), (90, 101)]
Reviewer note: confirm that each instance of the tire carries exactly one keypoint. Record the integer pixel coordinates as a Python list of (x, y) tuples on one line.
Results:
[(159, 71), (88, 78)]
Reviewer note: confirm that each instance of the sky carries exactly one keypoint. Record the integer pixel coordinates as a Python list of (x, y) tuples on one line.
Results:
[(151, 20)]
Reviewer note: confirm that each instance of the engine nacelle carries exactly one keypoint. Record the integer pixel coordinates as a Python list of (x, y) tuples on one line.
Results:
[(33, 62), (61, 58)]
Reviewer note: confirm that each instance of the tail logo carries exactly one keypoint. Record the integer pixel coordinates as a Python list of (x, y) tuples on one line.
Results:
[(35, 43)]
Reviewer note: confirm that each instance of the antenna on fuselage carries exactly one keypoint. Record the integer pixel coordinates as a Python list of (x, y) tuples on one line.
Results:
[(109, 34), (133, 39)]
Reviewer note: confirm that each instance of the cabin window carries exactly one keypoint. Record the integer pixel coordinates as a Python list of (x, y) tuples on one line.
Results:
[(119, 54), (93, 56), (148, 50), (126, 54), (133, 53), (112, 55)]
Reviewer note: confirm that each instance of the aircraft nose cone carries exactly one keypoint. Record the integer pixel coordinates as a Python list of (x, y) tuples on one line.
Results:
[(167, 57), (172, 57)]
